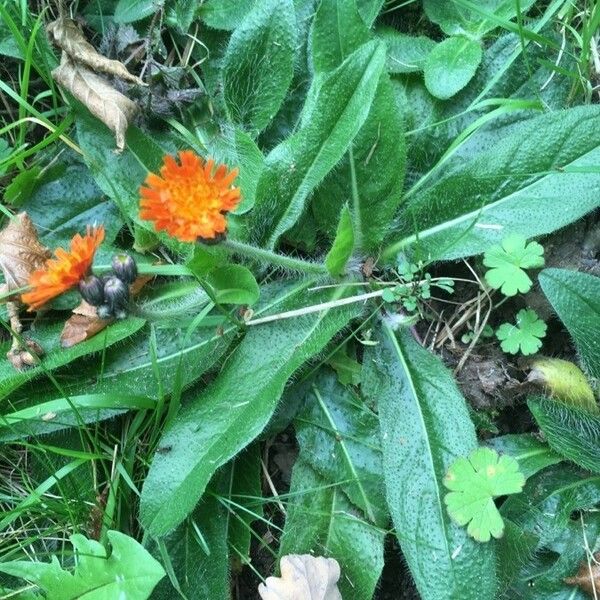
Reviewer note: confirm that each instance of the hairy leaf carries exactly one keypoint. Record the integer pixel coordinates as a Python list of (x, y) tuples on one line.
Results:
[(405, 53), (230, 413), (425, 426), (576, 299), (343, 244)]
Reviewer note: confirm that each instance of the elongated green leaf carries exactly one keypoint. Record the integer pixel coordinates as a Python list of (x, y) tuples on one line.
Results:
[(572, 432), (338, 30), (321, 521), (129, 572), (576, 299), (225, 14), (341, 441), (369, 9), (258, 65), (425, 426), (297, 165), (451, 65), (129, 11), (372, 175), (48, 335), (540, 178), (197, 551), (343, 244), (230, 413), (532, 454)]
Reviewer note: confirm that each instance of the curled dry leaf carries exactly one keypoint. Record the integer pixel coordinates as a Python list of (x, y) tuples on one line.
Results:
[(588, 576), (113, 108), (78, 73), (303, 577), (21, 251), (67, 35)]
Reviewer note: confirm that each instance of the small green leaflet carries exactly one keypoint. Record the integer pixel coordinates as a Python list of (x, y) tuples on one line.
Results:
[(525, 335), (507, 261), (474, 482), (129, 572)]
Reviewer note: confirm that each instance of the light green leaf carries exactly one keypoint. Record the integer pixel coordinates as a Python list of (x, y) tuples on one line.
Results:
[(129, 572), (343, 244), (337, 31), (321, 521), (576, 299), (258, 65), (230, 413), (532, 454), (539, 178), (571, 431), (369, 9), (507, 261), (48, 336), (129, 11), (425, 426), (405, 53), (451, 65), (300, 163), (474, 482), (340, 435), (233, 284), (525, 336)]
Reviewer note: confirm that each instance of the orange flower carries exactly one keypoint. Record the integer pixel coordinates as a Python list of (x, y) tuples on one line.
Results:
[(65, 271), (188, 200)]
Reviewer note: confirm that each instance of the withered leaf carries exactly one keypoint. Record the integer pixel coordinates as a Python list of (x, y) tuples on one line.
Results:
[(302, 577), (68, 37), (588, 576), (21, 251), (110, 106)]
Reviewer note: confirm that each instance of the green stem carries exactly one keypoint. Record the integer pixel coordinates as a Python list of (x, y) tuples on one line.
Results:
[(272, 258)]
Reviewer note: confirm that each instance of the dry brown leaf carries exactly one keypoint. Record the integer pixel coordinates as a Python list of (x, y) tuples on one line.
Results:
[(588, 577), (21, 251), (303, 577), (110, 106), (68, 37)]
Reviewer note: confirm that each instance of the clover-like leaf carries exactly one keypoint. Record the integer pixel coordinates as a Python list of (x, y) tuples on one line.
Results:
[(474, 482), (507, 261), (525, 335)]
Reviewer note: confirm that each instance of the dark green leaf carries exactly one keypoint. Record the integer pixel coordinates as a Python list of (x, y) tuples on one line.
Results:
[(338, 30), (369, 9), (233, 284), (343, 244), (572, 432), (225, 14), (538, 179), (298, 164), (576, 299), (341, 440), (231, 412), (259, 64), (321, 521), (451, 65), (425, 427), (22, 186)]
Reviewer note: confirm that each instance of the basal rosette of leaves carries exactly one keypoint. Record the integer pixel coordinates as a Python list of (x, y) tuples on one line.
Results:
[(304, 206)]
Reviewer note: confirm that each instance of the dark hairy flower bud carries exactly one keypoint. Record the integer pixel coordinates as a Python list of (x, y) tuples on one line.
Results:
[(116, 295), (124, 268), (91, 289)]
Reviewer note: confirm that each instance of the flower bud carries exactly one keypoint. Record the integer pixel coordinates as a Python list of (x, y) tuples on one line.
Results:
[(116, 295), (124, 268), (91, 289)]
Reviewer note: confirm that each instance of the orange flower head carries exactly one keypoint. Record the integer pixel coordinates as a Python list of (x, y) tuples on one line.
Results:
[(188, 200), (64, 271)]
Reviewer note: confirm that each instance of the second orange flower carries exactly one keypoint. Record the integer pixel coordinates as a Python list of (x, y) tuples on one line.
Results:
[(190, 198)]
